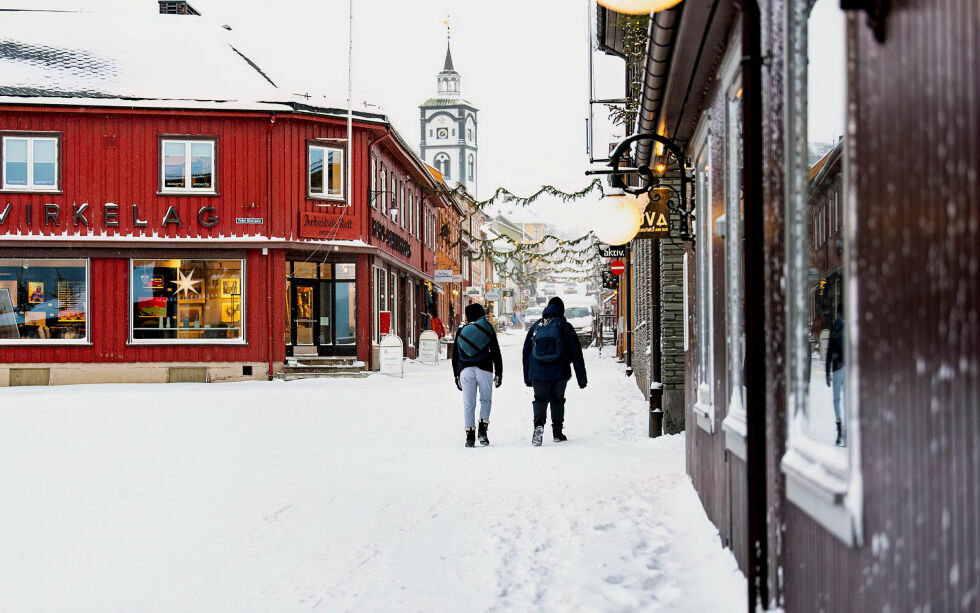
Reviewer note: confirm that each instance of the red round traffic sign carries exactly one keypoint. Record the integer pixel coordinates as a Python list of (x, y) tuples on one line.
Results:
[(617, 268)]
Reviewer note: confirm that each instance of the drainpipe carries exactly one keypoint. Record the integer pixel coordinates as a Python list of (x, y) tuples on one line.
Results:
[(754, 305), (663, 30)]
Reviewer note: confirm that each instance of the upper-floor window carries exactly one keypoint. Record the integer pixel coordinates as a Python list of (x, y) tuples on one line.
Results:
[(469, 134), (374, 182), (384, 192), (326, 172), (471, 167), (30, 163), (401, 198), (188, 165)]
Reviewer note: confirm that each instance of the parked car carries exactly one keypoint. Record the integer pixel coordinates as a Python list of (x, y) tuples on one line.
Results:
[(532, 315)]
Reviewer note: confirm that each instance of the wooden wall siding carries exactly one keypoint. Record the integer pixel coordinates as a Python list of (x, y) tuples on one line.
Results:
[(404, 172), (128, 171), (738, 511), (773, 34)]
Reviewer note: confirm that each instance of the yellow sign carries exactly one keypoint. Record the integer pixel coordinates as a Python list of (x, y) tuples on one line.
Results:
[(656, 217)]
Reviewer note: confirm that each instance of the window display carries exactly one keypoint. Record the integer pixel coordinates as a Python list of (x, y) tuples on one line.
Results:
[(188, 300), (43, 300)]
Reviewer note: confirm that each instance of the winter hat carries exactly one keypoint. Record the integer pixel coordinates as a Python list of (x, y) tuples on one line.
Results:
[(556, 300), (474, 312)]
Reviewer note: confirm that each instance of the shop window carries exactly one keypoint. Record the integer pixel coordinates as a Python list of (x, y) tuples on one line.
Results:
[(325, 172), (704, 405), (735, 419), (43, 301), (380, 299), (821, 463), (187, 300), (30, 163), (188, 166)]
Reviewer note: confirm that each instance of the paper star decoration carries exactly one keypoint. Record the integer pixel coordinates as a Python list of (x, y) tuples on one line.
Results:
[(186, 283)]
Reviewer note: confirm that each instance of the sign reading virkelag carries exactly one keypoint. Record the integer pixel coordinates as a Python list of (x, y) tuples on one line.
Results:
[(655, 223)]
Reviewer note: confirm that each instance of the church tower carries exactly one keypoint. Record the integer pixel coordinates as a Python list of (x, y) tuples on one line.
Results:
[(449, 130)]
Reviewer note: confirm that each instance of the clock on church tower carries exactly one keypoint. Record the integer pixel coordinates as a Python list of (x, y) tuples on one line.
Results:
[(449, 140)]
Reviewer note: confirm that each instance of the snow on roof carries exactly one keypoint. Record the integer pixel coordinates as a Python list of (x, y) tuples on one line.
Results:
[(131, 56), (138, 59)]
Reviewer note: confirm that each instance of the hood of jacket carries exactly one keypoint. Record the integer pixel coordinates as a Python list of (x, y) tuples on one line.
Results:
[(553, 309)]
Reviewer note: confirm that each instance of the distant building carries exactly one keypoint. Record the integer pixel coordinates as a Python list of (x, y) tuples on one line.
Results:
[(449, 130)]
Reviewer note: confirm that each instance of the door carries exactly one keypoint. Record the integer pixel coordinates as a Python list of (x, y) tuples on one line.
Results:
[(303, 325)]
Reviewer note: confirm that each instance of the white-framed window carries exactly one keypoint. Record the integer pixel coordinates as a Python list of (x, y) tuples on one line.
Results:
[(471, 167), (704, 405), (31, 163), (406, 212), (394, 204), (374, 182), (734, 424), (325, 172), (393, 301), (383, 196), (380, 299), (44, 301), (188, 166), (821, 464), (411, 324), (187, 301)]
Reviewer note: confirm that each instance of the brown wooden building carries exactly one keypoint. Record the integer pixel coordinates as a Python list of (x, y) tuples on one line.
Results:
[(882, 513)]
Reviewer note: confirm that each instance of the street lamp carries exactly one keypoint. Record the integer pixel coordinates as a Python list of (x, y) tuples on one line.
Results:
[(618, 219), (637, 7)]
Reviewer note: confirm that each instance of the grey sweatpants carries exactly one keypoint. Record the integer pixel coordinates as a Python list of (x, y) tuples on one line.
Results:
[(471, 378)]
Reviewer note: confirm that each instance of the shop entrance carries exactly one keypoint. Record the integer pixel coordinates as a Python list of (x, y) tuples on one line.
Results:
[(321, 310)]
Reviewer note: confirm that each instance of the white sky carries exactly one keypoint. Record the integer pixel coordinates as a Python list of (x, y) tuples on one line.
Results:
[(523, 64), (826, 81)]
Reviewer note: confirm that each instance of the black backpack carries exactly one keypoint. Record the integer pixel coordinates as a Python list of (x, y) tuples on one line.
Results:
[(547, 343)]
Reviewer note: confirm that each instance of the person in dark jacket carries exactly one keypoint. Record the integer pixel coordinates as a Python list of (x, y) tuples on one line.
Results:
[(834, 368), (476, 357), (550, 350)]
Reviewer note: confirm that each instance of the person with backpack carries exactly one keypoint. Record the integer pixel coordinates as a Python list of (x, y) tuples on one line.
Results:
[(550, 349), (476, 357)]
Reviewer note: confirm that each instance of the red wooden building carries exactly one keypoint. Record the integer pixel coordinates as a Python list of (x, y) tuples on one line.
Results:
[(152, 221)]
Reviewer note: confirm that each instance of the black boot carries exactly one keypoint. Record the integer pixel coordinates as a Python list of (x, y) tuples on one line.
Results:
[(840, 435), (482, 433), (556, 430), (470, 437)]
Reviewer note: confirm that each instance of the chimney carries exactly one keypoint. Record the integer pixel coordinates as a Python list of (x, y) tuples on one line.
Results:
[(176, 7)]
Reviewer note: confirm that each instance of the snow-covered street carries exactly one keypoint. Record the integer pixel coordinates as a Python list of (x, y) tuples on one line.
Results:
[(348, 495)]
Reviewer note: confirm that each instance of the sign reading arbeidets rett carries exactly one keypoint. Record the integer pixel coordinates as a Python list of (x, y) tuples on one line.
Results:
[(610, 251), (339, 226)]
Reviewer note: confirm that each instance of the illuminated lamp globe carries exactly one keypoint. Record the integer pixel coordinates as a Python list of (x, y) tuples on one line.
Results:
[(641, 201), (617, 219), (637, 7)]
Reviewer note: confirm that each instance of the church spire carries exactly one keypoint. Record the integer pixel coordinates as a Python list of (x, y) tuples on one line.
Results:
[(448, 67)]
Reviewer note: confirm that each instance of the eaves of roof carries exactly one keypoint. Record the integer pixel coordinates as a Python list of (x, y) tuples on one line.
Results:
[(447, 103)]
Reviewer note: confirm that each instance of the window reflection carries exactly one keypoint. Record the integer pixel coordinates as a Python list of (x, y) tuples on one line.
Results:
[(821, 319)]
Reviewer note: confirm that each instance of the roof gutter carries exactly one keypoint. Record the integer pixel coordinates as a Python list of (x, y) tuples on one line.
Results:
[(663, 33)]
